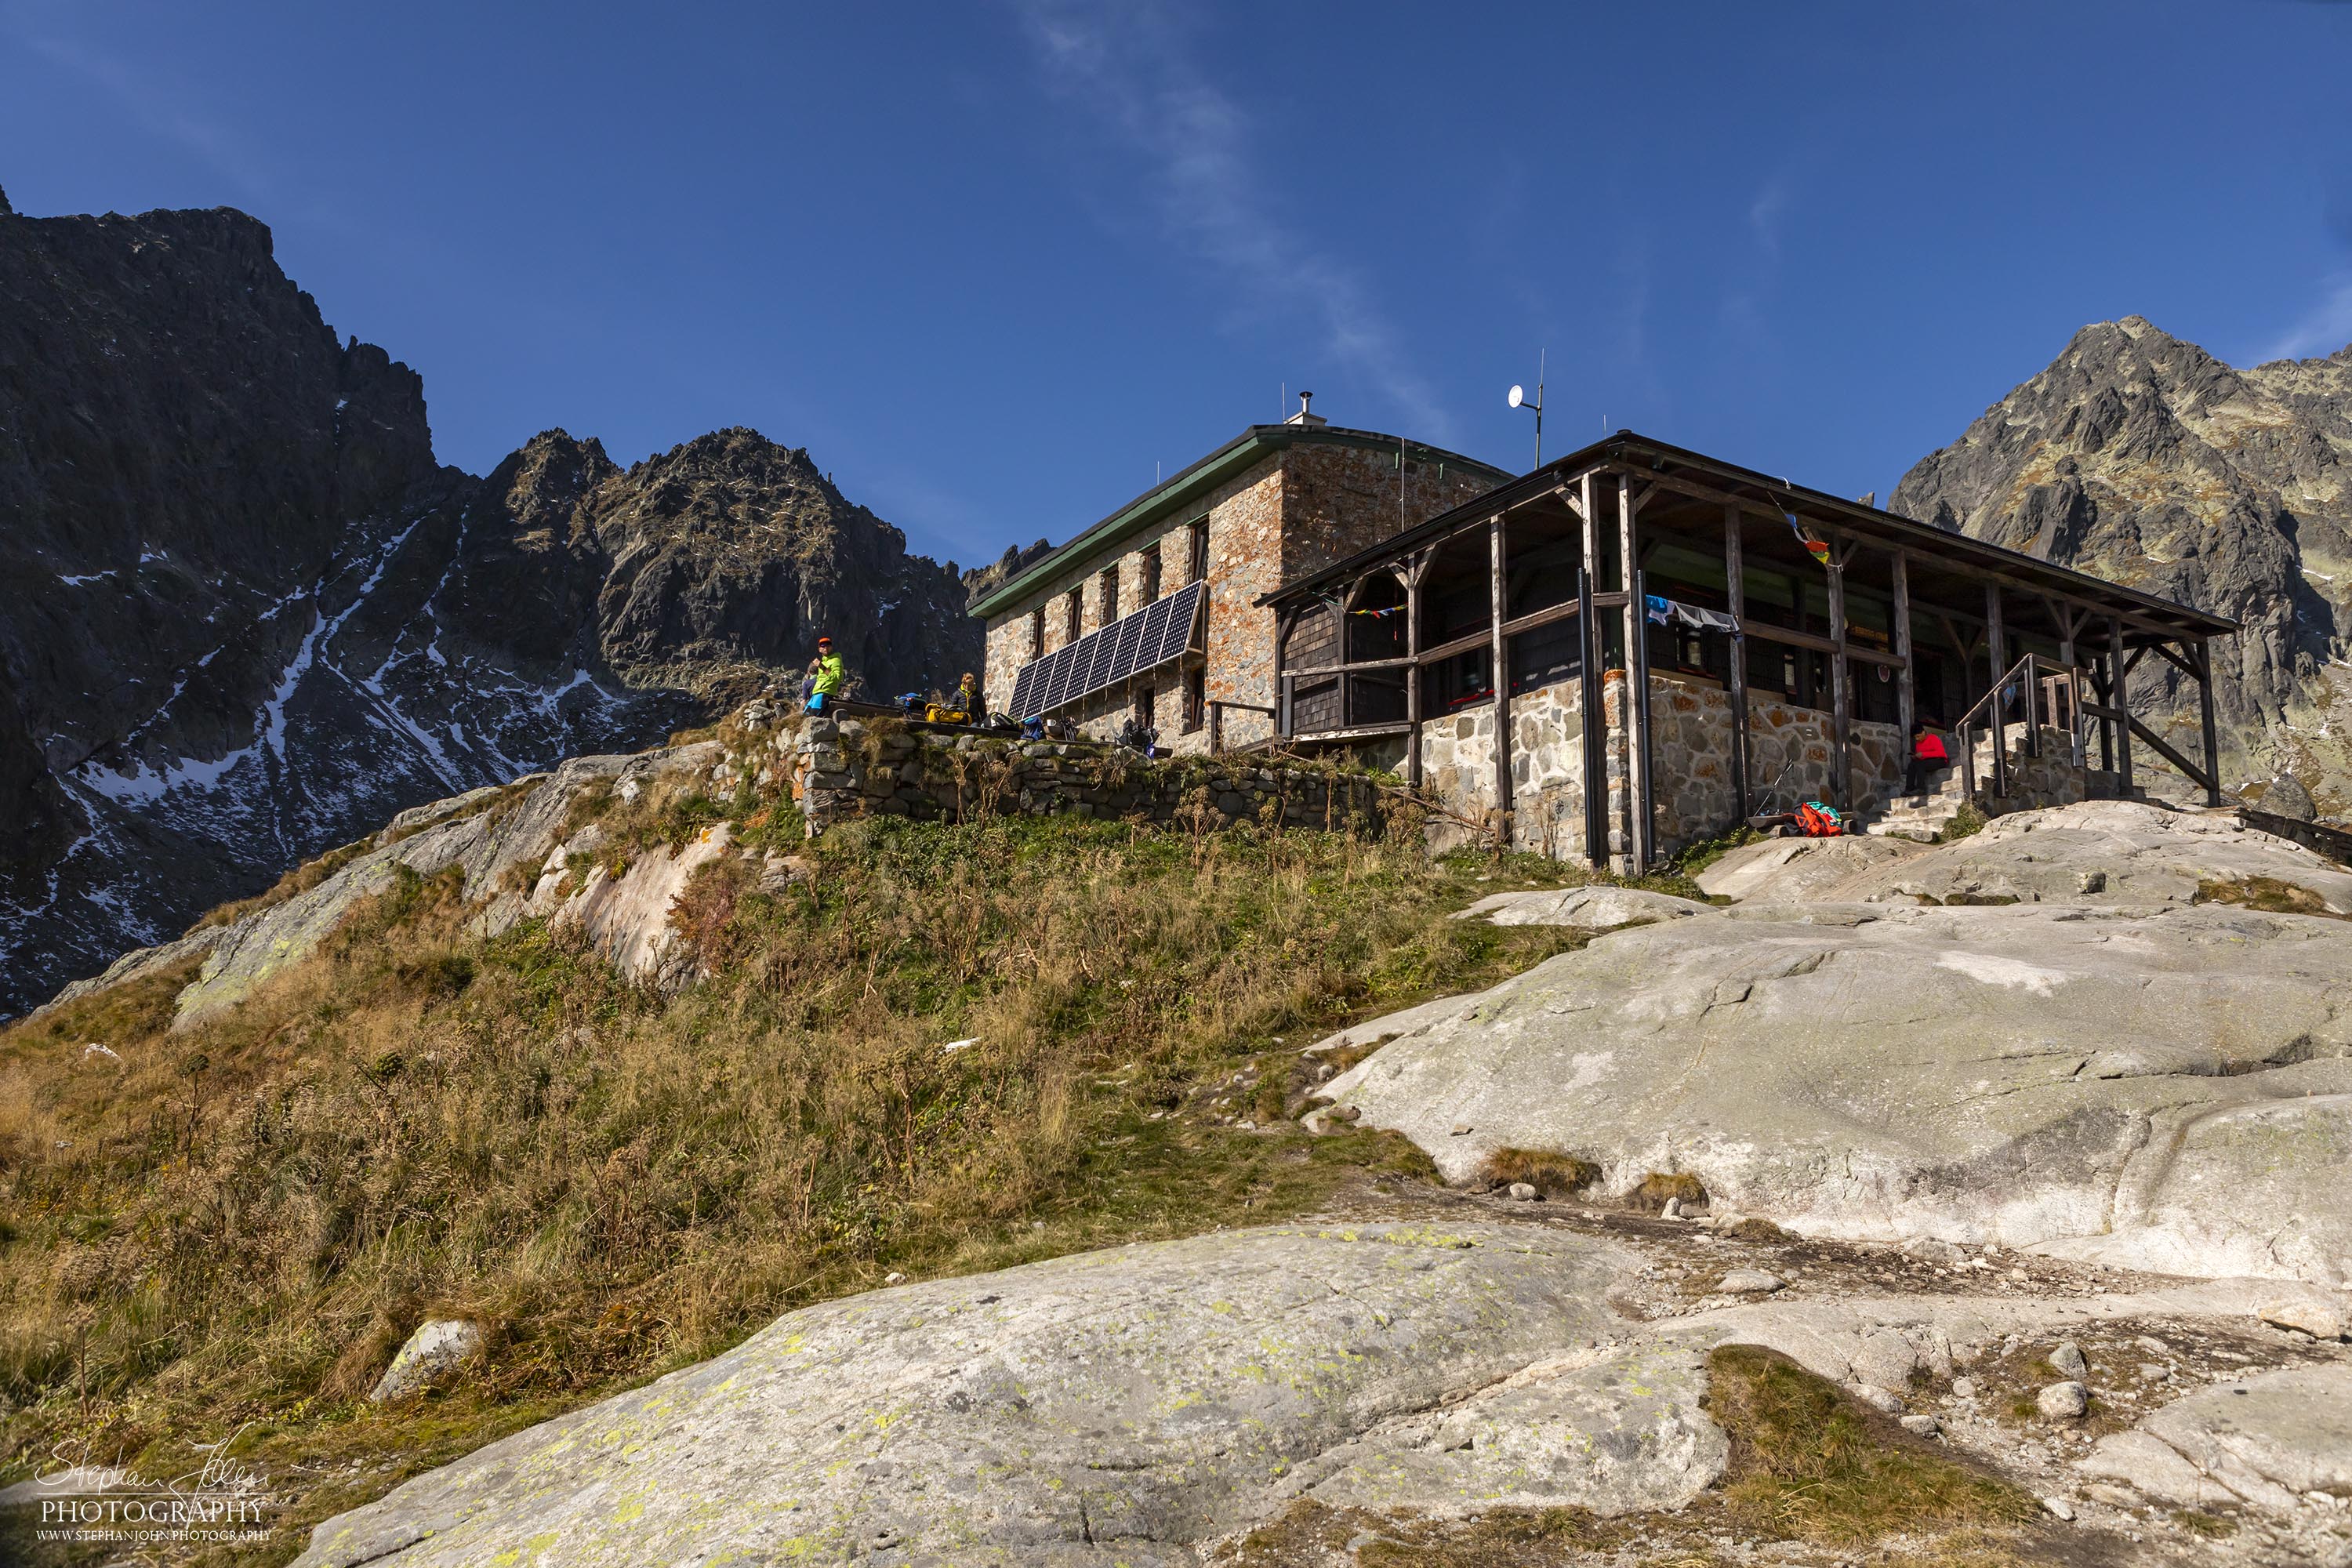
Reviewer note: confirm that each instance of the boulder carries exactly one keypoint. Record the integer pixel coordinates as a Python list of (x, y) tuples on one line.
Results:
[(1113, 1408), (2063, 1401), (1599, 908), (2110, 852), (627, 918), (1748, 1282), (2320, 1319), (2166, 1089), (1797, 871), (2265, 1440), (436, 1350)]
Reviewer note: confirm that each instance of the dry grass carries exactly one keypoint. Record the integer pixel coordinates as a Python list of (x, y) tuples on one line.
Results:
[(1553, 1174), (1658, 1186), (300, 879), (1810, 1462), (2266, 893), (235, 1227)]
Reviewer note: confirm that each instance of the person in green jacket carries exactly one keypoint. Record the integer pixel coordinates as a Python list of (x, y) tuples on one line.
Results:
[(827, 677)]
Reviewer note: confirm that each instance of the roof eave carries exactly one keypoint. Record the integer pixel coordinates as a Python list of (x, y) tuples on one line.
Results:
[(1616, 448)]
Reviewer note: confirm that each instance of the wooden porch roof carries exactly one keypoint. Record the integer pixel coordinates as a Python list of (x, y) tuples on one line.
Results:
[(1680, 473)]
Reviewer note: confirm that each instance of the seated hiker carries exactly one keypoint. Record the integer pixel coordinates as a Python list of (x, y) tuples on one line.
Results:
[(1927, 756), (967, 699), (828, 677)]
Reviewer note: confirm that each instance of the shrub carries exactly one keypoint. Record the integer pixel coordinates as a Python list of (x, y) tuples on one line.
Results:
[(1660, 1185), (1553, 1174)]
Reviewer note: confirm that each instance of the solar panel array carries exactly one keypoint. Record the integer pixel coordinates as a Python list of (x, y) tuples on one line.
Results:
[(1126, 648)]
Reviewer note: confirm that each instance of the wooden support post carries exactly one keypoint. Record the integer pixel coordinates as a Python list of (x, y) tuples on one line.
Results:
[(1840, 691), (2204, 656), (1906, 699), (1283, 725), (1338, 608), (1497, 611), (1412, 672), (1589, 692), (1997, 650), (1637, 785), (2119, 700), (1736, 597)]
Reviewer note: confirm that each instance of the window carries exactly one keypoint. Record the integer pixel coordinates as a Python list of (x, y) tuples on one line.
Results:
[(1196, 698), (1109, 594), (1037, 632), (1077, 613), (1199, 550), (1143, 705), (1146, 574)]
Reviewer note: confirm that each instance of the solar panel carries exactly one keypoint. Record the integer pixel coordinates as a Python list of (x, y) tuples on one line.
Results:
[(1129, 646)]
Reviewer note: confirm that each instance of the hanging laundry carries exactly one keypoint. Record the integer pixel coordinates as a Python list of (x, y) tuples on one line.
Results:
[(1667, 612)]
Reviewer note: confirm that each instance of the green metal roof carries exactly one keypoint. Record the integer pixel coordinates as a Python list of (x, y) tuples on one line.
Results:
[(1186, 486)]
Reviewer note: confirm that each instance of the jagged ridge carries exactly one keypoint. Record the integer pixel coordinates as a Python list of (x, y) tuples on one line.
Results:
[(244, 616), (2146, 460)]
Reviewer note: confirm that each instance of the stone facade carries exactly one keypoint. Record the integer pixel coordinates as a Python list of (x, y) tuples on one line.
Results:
[(840, 769), (1690, 755), (1313, 497), (1788, 760)]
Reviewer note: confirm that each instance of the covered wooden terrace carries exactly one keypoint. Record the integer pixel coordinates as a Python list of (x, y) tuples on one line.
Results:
[(1737, 578)]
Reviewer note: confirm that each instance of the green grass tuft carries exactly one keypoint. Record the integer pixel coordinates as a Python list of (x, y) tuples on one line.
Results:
[(1810, 1462)]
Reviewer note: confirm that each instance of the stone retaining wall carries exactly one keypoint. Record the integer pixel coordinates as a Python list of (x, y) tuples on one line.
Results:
[(1789, 756), (846, 768)]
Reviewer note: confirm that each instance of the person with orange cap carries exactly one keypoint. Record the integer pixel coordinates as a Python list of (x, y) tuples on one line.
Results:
[(827, 677)]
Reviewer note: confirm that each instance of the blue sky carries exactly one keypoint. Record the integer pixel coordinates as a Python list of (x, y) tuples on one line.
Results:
[(993, 263)]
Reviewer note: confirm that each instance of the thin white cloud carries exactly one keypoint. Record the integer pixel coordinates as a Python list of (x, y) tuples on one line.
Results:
[(1764, 212), (157, 108), (1132, 70), (2327, 328)]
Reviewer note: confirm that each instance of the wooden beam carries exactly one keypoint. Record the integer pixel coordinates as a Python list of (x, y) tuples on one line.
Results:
[(1413, 678), (2205, 715), (1636, 682), (1596, 737), (1339, 641), (2163, 749), (1840, 695), (2121, 699), (1359, 666), (1500, 662), (1996, 651), (1736, 596), (1905, 699), (2185, 665), (1286, 624)]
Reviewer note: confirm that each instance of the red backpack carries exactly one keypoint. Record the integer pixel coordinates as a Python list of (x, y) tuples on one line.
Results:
[(1818, 821)]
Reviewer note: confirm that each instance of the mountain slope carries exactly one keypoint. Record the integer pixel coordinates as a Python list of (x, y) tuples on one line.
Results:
[(244, 616), (2144, 459)]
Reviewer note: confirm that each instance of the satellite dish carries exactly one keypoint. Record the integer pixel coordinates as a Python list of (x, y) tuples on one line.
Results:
[(1519, 395)]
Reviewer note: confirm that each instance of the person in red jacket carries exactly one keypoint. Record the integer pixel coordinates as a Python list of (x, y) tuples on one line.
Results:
[(1927, 756)]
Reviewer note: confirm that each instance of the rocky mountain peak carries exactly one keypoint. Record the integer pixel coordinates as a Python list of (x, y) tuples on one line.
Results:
[(245, 613), (2142, 458)]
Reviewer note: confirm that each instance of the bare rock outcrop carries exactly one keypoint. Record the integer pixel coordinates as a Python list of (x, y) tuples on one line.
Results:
[(1112, 1407), (2168, 1089)]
